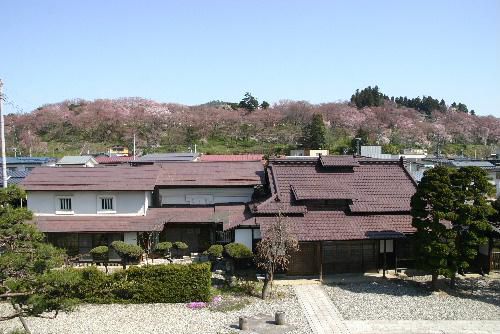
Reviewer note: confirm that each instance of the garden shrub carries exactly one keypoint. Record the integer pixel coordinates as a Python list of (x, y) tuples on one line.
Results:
[(163, 248), (180, 247), (172, 283), (127, 252), (215, 251), (99, 253), (237, 251)]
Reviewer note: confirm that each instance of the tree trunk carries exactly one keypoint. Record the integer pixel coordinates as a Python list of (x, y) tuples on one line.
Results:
[(453, 280), (434, 281), (21, 318), (266, 289)]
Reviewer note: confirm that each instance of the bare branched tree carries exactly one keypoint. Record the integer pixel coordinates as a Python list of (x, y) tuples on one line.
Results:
[(275, 249)]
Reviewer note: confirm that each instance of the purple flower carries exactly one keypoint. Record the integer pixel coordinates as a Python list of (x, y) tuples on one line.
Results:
[(196, 305), (216, 299)]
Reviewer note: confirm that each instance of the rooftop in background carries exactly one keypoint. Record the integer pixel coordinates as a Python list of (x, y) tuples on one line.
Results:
[(76, 160), (29, 160), (14, 177), (232, 157), (113, 160), (81, 178), (167, 157), (212, 174)]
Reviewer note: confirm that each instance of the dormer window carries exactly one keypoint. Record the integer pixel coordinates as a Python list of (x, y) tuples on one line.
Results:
[(64, 205), (106, 204)]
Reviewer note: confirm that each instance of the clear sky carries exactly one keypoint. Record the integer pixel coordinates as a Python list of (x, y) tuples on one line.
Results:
[(192, 52)]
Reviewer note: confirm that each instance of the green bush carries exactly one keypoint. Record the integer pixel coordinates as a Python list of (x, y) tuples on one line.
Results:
[(180, 245), (127, 252), (237, 251), (173, 283), (99, 252), (163, 248), (215, 251)]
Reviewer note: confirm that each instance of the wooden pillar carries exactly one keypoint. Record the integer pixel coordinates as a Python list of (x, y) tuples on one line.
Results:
[(395, 250), (320, 247), (385, 257)]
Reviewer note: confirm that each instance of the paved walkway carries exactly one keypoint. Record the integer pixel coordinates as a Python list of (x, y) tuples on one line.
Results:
[(424, 326), (321, 313)]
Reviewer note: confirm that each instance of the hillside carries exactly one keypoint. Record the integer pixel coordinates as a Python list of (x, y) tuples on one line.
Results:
[(78, 126)]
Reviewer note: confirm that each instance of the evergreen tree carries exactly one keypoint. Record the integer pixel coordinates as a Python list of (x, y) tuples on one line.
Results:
[(249, 102), (472, 211), (26, 278), (457, 198), (431, 208), (315, 133), (264, 105), (368, 97)]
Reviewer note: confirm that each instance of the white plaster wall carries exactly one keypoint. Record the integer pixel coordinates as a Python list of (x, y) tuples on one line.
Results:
[(130, 238), (133, 203), (206, 195), (243, 236)]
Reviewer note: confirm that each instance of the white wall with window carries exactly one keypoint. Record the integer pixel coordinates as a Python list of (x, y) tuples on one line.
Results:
[(129, 203), (205, 196)]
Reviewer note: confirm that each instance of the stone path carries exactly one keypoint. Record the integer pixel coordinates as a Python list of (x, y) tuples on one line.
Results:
[(321, 313), (424, 326)]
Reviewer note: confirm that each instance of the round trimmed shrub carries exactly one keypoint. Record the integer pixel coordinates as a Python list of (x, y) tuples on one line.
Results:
[(215, 251), (180, 245), (127, 252), (100, 253), (238, 251), (163, 247)]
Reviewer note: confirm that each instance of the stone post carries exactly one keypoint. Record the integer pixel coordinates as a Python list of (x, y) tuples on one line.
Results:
[(279, 318), (243, 323)]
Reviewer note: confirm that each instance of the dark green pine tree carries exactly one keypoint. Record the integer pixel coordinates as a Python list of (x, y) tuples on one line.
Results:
[(471, 223), (315, 133), (432, 209), (249, 102)]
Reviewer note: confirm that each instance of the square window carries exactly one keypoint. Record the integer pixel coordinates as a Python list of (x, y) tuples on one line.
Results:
[(107, 204), (65, 204)]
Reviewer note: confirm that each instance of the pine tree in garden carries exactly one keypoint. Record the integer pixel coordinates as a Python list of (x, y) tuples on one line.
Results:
[(315, 133), (432, 210), (451, 214), (472, 212)]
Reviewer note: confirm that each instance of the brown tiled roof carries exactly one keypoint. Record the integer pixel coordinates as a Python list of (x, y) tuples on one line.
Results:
[(98, 223), (230, 214), (211, 174), (232, 157), (113, 160), (376, 194), (338, 161), (337, 225), (96, 178)]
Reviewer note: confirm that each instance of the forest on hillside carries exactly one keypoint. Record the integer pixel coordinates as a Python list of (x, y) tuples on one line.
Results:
[(80, 126)]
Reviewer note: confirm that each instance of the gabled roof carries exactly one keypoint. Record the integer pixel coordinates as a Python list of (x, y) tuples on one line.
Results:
[(339, 198), (97, 178), (211, 174), (76, 160)]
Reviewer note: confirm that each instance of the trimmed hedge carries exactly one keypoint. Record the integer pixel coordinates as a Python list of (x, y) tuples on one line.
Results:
[(172, 283), (99, 252), (238, 251), (180, 245), (163, 248)]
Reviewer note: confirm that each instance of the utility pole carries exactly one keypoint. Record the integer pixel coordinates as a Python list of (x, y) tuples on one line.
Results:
[(134, 145), (2, 134)]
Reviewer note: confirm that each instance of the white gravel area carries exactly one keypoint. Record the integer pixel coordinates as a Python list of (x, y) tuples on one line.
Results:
[(410, 300), (158, 318)]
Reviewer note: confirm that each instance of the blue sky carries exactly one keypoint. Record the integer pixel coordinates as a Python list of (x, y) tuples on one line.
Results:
[(195, 51)]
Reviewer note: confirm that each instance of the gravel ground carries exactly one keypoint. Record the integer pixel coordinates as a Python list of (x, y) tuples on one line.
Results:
[(474, 299), (159, 318)]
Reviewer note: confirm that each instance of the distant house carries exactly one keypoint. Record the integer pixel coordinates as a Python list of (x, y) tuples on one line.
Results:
[(308, 153), (15, 177), (120, 151), (153, 158), (349, 214), (113, 160), (27, 163), (77, 161)]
